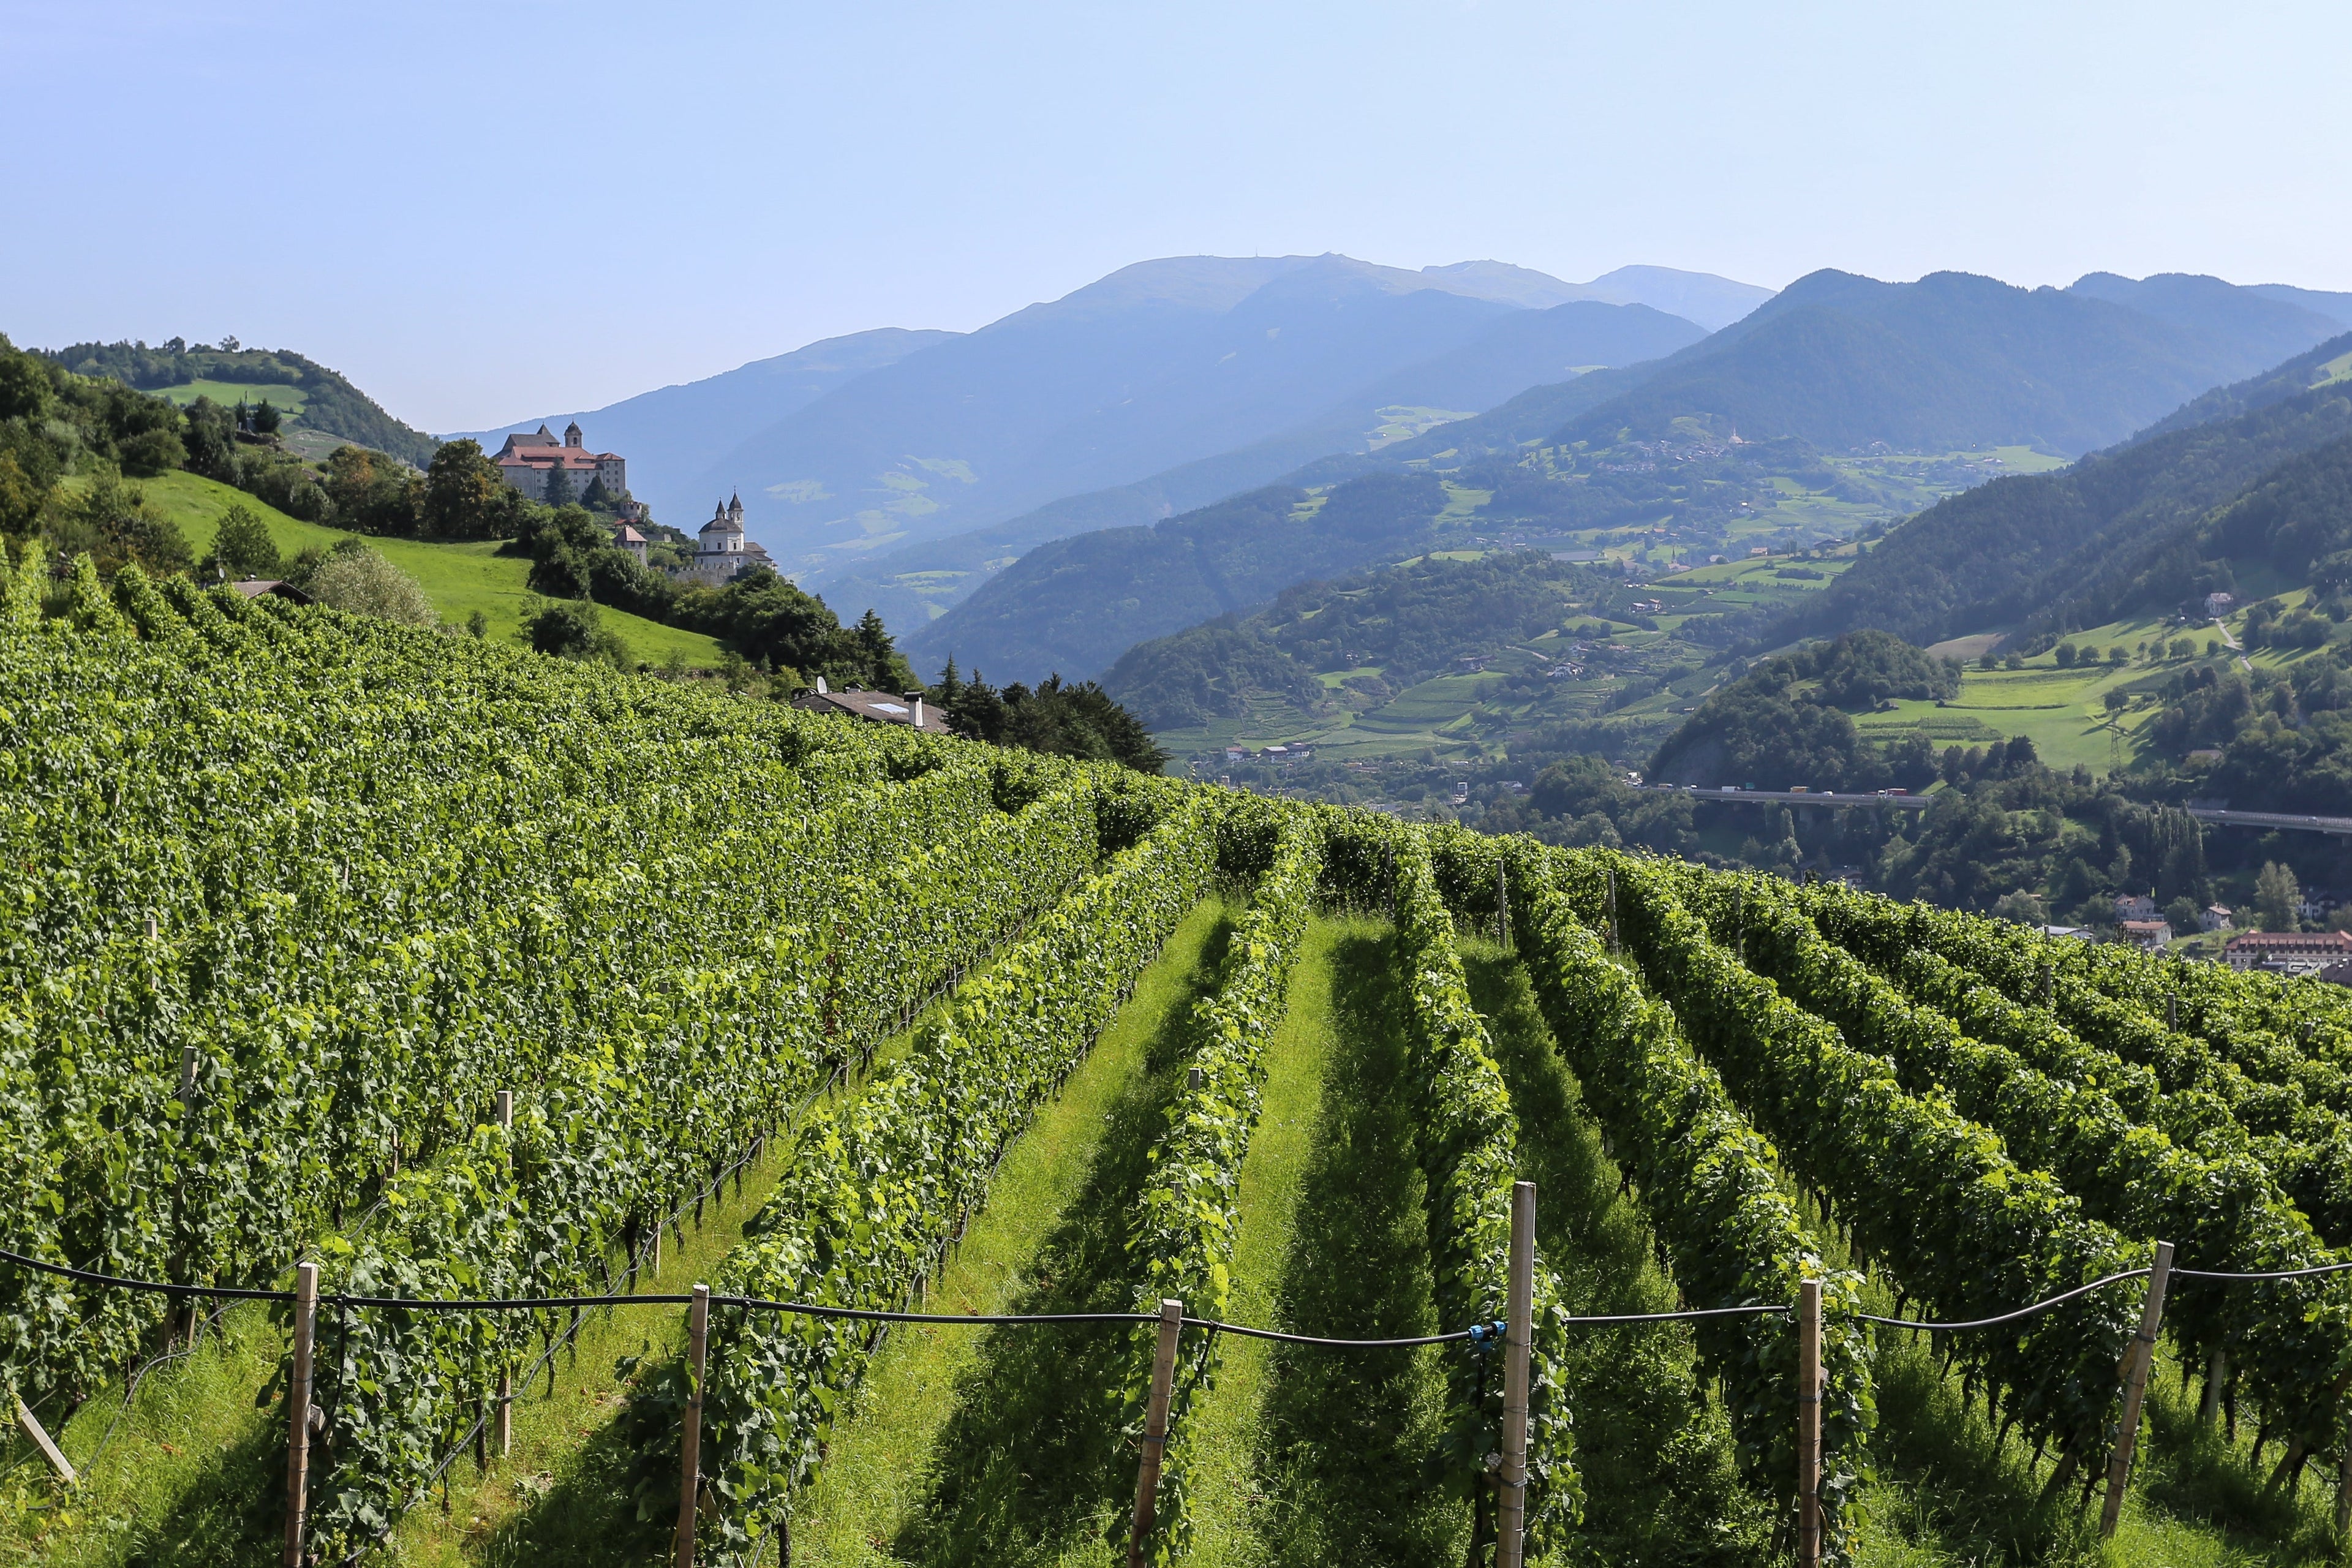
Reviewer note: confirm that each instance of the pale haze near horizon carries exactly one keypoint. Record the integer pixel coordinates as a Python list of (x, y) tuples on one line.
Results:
[(486, 212)]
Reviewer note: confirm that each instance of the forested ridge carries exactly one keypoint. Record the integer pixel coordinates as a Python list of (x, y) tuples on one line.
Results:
[(331, 404), (2067, 546)]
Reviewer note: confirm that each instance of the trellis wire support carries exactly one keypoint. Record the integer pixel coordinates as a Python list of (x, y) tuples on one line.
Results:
[(2137, 1359), (697, 1348), (1155, 1430), (1511, 1506), (1808, 1423), (505, 1422), (298, 1410)]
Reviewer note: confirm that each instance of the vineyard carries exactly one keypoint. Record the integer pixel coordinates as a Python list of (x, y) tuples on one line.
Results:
[(519, 1112)]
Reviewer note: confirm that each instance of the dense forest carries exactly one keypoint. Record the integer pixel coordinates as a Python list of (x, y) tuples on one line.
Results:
[(331, 404), (1788, 720)]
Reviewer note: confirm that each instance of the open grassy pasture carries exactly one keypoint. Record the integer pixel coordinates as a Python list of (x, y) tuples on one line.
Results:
[(458, 578)]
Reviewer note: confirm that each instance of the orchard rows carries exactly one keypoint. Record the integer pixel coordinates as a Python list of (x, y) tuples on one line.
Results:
[(292, 899)]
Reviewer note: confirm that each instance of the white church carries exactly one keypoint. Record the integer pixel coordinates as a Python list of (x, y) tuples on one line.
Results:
[(722, 550)]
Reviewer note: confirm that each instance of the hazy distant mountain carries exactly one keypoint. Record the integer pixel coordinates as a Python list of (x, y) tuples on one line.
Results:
[(2324, 302), (1159, 364), (672, 435), (915, 582), (1713, 302), (882, 439), (1956, 361), (2258, 319), (1834, 362)]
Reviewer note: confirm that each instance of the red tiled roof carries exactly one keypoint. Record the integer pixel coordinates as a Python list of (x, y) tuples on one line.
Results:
[(2293, 941)]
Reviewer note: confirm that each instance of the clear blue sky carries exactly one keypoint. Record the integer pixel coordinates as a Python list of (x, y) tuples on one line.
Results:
[(487, 211)]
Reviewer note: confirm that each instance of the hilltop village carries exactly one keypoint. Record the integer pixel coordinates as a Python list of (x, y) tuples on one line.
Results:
[(562, 471)]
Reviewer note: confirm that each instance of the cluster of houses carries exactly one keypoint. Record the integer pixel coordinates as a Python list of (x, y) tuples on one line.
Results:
[(2328, 955)]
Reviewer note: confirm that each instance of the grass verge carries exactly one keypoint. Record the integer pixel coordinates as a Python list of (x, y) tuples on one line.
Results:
[(1004, 1446), (1226, 1426), (1347, 1439)]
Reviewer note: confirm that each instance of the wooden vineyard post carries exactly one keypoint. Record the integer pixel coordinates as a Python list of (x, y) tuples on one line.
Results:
[(2172, 1013), (1155, 1430), (2343, 1483), (698, 1349), (298, 1410), (1808, 1423), (2137, 1359), (1502, 903), (1612, 909), (1511, 1506), (505, 1373), (30, 1425)]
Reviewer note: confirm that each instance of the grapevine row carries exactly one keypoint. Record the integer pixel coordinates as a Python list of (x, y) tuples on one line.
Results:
[(2307, 1147), (1932, 1197), (2218, 1206), (875, 1192), (1189, 1217), (1708, 1183), (1467, 1139)]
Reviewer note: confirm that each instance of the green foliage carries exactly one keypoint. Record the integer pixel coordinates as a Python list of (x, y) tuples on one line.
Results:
[(2209, 1195), (572, 629), (2277, 899), (466, 498), (1770, 729), (329, 401), (1711, 1187), (877, 1193), (1933, 1197), (242, 547), (1466, 1138), (357, 579), (1189, 1219), (1055, 719)]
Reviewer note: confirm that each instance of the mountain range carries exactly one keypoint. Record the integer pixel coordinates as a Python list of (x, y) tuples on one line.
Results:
[(1835, 365), (1256, 364)]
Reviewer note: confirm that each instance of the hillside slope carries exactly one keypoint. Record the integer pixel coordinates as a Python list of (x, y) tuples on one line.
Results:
[(458, 578), (2069, 545), (316, 398), (912, 584), (1074, 605)]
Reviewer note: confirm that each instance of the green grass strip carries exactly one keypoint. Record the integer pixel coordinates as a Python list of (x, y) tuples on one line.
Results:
[(882, 1469)]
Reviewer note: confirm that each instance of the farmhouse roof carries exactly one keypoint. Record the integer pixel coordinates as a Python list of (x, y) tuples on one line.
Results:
[(877, 707)]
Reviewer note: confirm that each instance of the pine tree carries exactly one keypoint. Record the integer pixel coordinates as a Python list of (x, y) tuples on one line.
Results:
[(559, 487)]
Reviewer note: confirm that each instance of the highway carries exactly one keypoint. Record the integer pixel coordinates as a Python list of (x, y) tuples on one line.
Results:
[(1794, 796), (2281, 821)]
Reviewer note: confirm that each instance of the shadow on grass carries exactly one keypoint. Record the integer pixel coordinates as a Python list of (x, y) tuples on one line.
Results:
[(1656, 1455), (1351, 1435), (2193, 1472), (234, 1513), (1033, 1467)]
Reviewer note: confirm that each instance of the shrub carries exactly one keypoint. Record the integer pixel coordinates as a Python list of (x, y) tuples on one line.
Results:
[(357, 579)]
